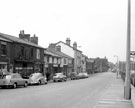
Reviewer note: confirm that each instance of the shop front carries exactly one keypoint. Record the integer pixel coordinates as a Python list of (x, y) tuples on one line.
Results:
[(25, 68), (3, 67)]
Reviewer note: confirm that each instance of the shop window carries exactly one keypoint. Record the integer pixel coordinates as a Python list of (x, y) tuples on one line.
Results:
[(24, 64)]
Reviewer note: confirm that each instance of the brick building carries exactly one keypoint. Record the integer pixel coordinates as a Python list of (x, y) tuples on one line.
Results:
[(22, 56)]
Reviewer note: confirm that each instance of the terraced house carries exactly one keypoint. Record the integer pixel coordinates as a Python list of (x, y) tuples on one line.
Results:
[(73, 52), (21, 55), (66, 62)]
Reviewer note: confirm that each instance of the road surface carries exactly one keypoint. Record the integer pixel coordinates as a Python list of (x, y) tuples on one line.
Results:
[(83, 93)]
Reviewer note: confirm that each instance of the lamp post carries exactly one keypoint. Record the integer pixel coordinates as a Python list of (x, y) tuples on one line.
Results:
[(127, 87), (117, 65)]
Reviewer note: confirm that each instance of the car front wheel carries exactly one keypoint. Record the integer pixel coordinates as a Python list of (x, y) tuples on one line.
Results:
[(14, 85), (25, 84)]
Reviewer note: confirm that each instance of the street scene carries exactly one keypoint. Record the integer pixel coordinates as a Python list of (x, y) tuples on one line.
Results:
[(67, 54)]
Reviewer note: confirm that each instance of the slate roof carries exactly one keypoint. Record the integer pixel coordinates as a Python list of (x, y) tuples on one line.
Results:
[(5, 39), (61, 54), (50, 53), (90, 60), (67, 45), (18, 40)]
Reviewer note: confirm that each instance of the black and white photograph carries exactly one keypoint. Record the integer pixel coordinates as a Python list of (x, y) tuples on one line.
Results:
[(67, 53)]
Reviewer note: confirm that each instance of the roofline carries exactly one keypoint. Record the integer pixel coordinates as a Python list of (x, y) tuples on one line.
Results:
[(34, 45), (6, 40), (67, 45)]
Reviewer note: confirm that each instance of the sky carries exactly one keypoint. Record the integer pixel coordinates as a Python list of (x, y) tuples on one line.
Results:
[(98, 26)]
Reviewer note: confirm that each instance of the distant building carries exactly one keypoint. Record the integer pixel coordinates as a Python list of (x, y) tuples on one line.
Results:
[(90, 65), (101, 64)]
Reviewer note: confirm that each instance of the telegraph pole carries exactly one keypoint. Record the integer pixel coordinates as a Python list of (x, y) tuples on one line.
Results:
[(127, 87), (117, 66)]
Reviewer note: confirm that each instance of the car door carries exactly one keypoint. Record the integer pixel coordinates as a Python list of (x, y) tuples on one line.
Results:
[(20, 79), (14, 79)]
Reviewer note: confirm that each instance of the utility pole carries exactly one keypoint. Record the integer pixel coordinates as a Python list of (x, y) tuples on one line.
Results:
[(117, 66), (127, 87)]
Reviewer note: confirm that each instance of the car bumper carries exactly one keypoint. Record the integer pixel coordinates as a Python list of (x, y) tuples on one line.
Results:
[(57, 79)]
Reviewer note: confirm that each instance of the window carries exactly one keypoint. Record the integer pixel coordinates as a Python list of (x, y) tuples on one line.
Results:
[(3, 49), (31, 52), (48, 59), (65, 61), (38, 53), (22, 50)]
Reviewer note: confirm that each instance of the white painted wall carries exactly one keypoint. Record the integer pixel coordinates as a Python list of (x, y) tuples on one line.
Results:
[(66, 49)]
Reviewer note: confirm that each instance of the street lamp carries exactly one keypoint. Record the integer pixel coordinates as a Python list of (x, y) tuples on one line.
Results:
[(117, 65), (127, 87)]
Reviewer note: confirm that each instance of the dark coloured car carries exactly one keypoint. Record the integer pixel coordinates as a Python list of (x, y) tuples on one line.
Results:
[(12, 80), (73, 76), (132, 78)]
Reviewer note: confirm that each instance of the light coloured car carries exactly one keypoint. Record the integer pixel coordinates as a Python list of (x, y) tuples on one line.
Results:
[(59, 77), (37, 78), (83, 75), (12, 80)]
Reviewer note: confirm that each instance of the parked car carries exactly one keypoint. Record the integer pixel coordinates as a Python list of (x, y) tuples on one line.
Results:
[(132, 78), (114, 70), (12, 80), (59, 77), (37, 78), (73, 76), (83, 75)]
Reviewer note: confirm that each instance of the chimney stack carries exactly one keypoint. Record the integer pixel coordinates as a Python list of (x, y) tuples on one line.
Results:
[(75, 45), (68, 41), (52, 47), (24, 36), (34, 39)]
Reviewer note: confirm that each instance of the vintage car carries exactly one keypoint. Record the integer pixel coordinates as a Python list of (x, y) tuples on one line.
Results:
[(83, 75), (59, 77), (37, 78), (73, 76), (12, 80)]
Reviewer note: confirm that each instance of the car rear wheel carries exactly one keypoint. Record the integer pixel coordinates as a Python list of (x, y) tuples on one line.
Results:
[(25, 84), (39, 82), (14, 85)]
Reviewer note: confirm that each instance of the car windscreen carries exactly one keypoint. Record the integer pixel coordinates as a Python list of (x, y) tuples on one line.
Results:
[(5, 77), (8, 77), (58, 74)]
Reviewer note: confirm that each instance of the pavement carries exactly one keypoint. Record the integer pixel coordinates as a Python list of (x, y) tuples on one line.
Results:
[(113, 96)]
